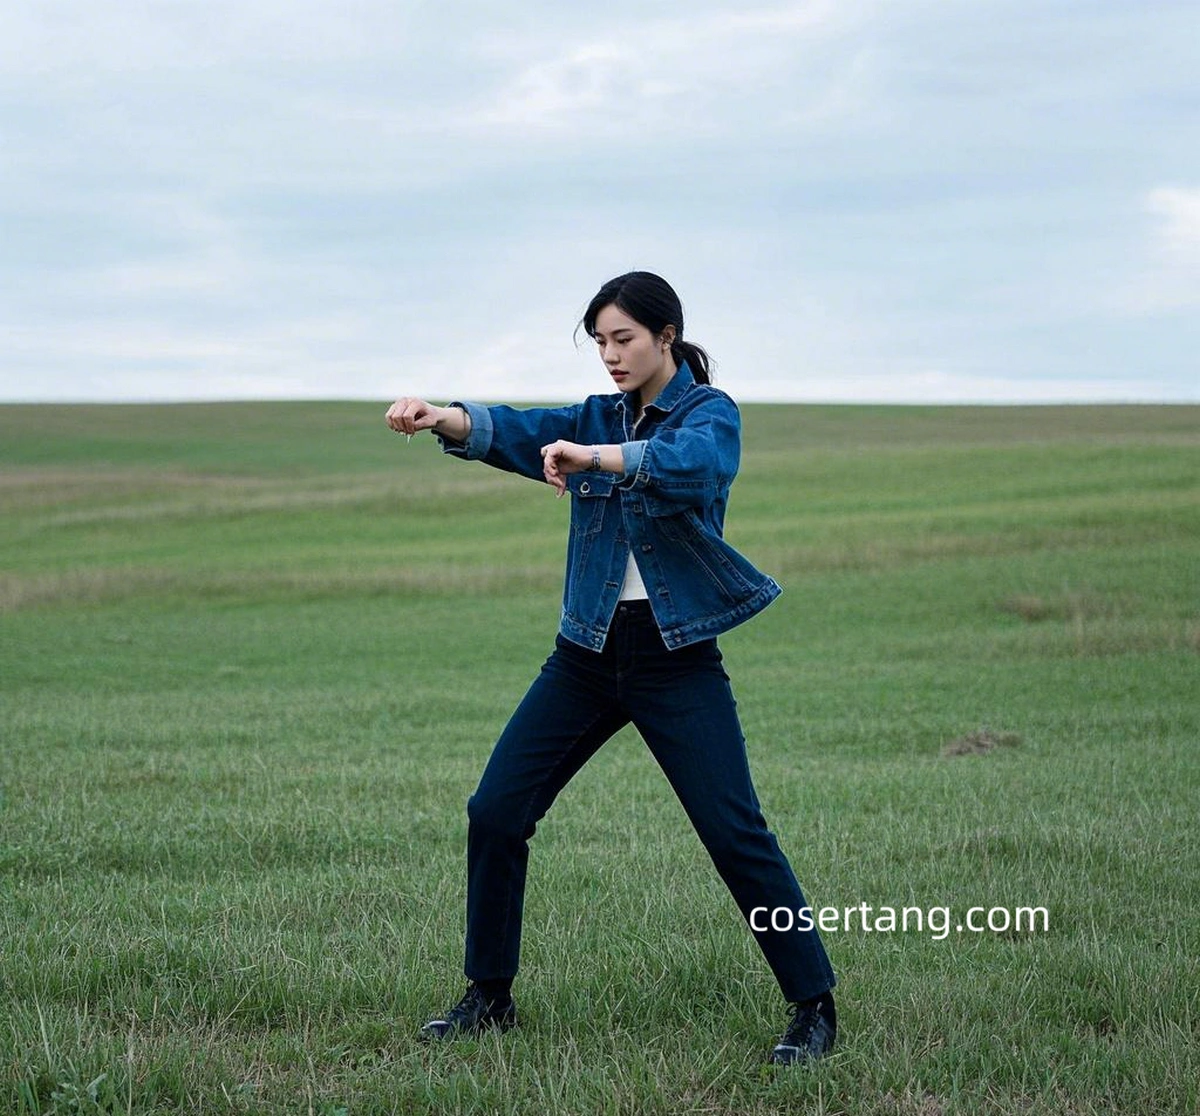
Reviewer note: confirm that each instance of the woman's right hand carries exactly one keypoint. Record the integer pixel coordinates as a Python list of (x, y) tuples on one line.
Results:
[(408, 415)]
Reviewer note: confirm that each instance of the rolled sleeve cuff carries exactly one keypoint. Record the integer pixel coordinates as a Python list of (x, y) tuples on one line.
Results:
[(479, 441), (633, 454)]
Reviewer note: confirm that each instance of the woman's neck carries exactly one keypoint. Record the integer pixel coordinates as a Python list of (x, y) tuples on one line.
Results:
[(649, 391)]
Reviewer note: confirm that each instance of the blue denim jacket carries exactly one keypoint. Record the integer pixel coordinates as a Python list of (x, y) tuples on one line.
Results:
[(668, 506)]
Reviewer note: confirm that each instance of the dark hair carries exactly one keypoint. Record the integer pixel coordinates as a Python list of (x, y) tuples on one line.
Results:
[(648, 299)]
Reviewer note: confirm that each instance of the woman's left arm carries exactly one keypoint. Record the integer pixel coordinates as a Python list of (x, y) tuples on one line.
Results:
[(562, 459), (688, 463)]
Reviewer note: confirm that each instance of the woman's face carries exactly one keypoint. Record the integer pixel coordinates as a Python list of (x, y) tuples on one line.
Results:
[(637, 359)]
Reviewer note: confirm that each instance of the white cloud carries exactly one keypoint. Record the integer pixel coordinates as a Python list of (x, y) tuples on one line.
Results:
[(673, 72), (1167, 278), (1179, 229), (555, 92)]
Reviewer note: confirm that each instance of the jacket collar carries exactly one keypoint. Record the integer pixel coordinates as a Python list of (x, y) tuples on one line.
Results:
[(671, 394)]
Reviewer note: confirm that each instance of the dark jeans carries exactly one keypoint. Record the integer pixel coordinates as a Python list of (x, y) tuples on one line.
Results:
[(681, 703)]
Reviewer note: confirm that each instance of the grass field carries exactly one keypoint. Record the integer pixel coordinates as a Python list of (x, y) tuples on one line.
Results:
[(254, 656)]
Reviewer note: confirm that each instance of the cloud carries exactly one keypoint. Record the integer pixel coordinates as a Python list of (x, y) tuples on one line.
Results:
[(1178, 209), (680, 74), (1166, 279)]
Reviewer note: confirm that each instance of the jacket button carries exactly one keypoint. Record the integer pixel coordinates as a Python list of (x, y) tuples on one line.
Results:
[(646, 548), (585, 488)]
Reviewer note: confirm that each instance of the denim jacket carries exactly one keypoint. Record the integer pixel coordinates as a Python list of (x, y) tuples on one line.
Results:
[(668, 506)]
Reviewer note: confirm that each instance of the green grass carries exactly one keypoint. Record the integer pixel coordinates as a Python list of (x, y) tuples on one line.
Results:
[(253, 657)]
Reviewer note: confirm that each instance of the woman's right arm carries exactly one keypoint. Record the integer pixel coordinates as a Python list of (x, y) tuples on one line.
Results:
[(503, 437)]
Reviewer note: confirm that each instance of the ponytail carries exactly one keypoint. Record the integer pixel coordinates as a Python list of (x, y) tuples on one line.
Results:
[(697, 359)]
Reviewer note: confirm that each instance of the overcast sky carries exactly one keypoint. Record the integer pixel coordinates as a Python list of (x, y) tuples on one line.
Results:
[(916, 200)]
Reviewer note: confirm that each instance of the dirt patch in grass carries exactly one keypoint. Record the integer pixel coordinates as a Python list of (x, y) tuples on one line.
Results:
[(980, 741), (910, 1104), (1076, 605)]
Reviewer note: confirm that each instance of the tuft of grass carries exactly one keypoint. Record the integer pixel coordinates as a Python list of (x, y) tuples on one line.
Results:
[(980, 741)]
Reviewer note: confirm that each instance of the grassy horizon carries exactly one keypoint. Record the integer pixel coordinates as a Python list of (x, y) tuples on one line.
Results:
[(253, 657)]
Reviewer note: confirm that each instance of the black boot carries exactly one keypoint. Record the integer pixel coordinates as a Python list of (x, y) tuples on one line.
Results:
[(473, 1014), (810, 1034)]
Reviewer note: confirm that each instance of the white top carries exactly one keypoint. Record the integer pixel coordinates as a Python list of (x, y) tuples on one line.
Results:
[(633, 588)]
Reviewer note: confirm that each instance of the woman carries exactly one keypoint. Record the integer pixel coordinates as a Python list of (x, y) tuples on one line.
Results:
[(650, 584)]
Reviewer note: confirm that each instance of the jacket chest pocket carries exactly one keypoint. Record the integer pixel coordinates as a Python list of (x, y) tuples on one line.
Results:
[(590, 494)]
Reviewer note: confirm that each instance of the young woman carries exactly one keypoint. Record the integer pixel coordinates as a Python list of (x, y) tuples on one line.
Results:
[(650, 584)]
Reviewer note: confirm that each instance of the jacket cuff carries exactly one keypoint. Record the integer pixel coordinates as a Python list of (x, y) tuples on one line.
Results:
[(633, 454), (479, 441)]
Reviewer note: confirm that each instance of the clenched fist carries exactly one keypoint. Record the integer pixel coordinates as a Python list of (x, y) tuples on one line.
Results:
[(560, 459), (408, 415)]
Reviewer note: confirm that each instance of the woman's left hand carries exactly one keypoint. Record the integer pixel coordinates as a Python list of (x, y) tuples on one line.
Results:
[(560, 459)]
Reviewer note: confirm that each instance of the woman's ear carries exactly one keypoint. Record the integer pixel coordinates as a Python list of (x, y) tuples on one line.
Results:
[(667, 337)]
